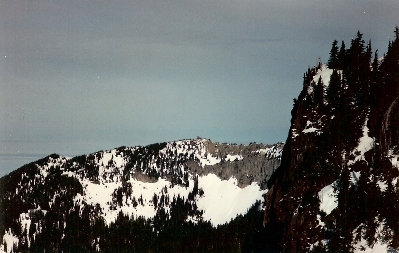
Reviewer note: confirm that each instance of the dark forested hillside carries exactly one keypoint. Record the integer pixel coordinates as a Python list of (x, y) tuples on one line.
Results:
[(337, 188)]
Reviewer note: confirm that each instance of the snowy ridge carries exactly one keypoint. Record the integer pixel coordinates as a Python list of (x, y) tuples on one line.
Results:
[(195, 148), (141, 182), (228, 192)]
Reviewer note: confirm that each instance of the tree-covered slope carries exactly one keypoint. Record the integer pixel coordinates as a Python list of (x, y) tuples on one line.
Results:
[(337, 189), (166, 197)]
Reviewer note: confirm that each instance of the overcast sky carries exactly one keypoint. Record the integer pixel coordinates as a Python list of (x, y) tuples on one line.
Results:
[(81, 76)]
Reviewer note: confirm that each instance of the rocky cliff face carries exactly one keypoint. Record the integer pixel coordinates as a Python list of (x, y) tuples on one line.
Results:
[(146, 195), (337, 188)]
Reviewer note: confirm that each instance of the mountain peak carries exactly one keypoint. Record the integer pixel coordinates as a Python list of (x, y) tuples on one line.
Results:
[(212, 183)]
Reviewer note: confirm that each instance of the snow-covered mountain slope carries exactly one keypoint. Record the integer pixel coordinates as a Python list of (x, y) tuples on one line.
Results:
[(212, 182), (337, 189)]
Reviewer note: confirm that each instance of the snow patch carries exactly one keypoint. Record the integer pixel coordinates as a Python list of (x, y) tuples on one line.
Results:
[(318, 243), (208, 160), (383, 185), (25, 221), (223, 200), (44, 170), (232, 158), (395, 161), (310, 129), (328, 200), (9, 241), (325, 73), (394, 158), (310, 90), (366, 143), (192, 147), (102, 194), (294, 133), (355, 177), (320, 223), (107, 156), (271, 152), (379, 246)]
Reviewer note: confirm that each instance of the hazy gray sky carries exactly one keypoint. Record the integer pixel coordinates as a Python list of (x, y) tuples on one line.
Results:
[(80, 76)]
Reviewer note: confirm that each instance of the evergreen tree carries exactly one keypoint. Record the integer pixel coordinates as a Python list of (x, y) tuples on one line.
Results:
[(319, 93), (333, 89), (375, 65), (375, 89), (341, 56), (342, 234), (368, 52), (333, 61)]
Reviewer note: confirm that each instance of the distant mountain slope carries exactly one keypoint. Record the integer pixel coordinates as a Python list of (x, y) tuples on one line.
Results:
[(74, 204), (337, 189)]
